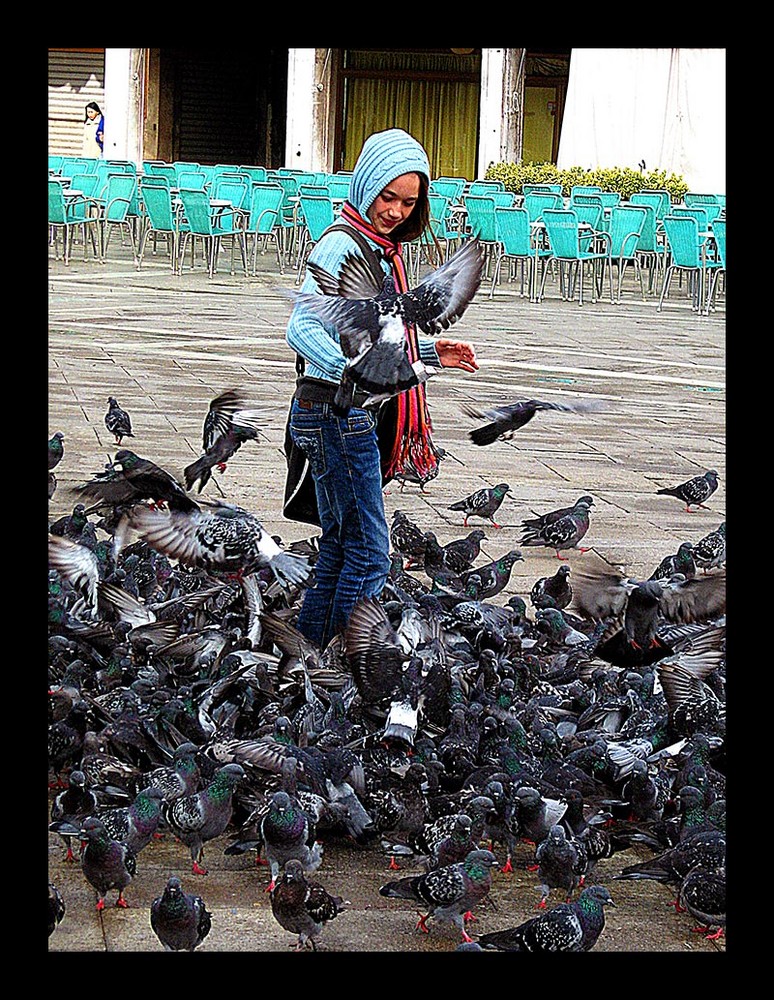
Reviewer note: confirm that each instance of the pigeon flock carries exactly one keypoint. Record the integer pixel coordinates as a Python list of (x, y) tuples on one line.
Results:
[(452, 735)]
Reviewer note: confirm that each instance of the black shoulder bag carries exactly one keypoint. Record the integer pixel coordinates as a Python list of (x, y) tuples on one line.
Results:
[(300, 503)]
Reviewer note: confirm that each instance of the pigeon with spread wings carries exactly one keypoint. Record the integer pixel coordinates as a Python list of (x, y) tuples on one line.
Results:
[(503, 421), (370, 320), (228, 424)]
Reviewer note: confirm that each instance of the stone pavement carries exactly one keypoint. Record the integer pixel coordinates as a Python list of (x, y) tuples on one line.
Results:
[(164, 345)]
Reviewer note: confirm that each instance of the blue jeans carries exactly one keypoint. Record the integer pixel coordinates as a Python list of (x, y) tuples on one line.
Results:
[(354, 558)]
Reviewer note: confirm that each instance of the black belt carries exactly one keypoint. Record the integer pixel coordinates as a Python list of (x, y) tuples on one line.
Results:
[(320, 390)]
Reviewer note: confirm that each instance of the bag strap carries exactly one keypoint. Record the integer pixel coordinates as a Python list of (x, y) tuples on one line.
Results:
[(372, 258)]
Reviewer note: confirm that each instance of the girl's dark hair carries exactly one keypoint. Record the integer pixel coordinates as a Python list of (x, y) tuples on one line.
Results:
[(94, 107), (419, 219)]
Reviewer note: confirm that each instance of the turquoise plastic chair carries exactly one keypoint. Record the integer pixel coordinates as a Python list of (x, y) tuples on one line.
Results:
[(55, 163), (550, 188), (481, 222), (710, 202), (164, 170), (516, 248), (160, 219), (574, 254), (719, 238), (687, 255), (66, 214), (255, 173), (120, 209), (338, 185), (442, 223), (318, 215), (209, 225), (536, 202), (577, 189), (233, 188), (484, 187), (450, 187), (264, 221), (660, 200), (626, 223)]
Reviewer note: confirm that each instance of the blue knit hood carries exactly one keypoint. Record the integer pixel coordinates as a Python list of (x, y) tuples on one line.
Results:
[(385, 156)]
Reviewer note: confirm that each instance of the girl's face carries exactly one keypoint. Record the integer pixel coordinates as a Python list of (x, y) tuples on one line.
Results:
[(394, 204), (91, 113)]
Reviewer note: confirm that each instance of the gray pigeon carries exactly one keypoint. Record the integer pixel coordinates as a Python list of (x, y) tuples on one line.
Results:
[(228, 425), (493, 576), (503, 421), (303, 906), (135, 824), (671, 866), (198, 818), (567, 927), (681, 561), (106, 863), (710, 551), (285, 830), (562, 533), (449, 892), (70, 808), (557, 858), (56, 908), (222, 539), (371, 320), (552, 591), (118, 421), (55, 450), (482, 503), (180, 920), (703, 894), (693, 492)]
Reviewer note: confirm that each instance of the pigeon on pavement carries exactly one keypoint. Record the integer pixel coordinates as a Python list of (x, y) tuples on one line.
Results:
[(118, 421), (106, 863), (285, 830), (672, 865), (302, 905), (198, 818), (552, 591), (407, 538), (135, 824), (561, 533), (557, 858), (567, 927), (56, 908), (681, 561), (449, 892), (70, 808), (180, 920), (228, 425), (703, 894), (219, 539), (493, 577), (710, 551), (503, 421), (461, 553), (484, 503), (371, 320), (693, 492), (55, 450)]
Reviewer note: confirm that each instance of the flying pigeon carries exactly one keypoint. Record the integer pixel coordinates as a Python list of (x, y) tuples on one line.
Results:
[(710, 551), (552, 591), (370, 319), (693, 492), (131, 479), (79, 566), (55, 450), (561, 533), (56, 908), (285, 829), (449, 892), (219, 538), (118, 421), (198, 818), (303, 906), (703, 894), (505, 420), (228, 424), (483, 503), (180, 920), (105, 863), (567, 927)]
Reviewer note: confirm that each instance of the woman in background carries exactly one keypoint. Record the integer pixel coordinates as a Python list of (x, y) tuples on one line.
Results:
[(93, 131)]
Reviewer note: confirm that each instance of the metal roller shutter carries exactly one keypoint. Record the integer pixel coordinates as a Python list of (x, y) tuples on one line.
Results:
[(75, 77)]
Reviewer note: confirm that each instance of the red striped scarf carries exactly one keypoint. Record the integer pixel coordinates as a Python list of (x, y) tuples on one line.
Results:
[(413, 451)]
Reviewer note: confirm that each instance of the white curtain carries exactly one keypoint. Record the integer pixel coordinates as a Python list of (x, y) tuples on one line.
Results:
[(666, 107)]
